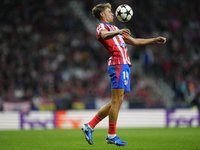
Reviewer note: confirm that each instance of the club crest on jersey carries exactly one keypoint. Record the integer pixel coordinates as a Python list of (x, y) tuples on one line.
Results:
[(125, 82), (123, 44)]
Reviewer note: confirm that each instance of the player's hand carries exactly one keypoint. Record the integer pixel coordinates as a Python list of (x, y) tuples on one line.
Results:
[(126, 32), (160, 40)]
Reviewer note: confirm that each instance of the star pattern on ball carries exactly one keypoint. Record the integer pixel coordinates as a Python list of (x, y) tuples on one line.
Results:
[(128, 12), (119, 13)]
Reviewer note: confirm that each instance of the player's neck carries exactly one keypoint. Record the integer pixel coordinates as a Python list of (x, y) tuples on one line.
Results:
[(104, 21)]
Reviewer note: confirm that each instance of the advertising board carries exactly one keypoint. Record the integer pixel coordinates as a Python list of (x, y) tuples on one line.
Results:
[(73, 119)]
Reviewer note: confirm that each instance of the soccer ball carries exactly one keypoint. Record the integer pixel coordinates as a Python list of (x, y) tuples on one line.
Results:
[(124, 13)]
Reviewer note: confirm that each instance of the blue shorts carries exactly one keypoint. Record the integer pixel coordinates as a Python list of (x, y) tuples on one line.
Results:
[(120, 76)]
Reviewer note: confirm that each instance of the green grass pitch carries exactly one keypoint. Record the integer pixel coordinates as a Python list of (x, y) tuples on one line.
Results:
[(137, 139)]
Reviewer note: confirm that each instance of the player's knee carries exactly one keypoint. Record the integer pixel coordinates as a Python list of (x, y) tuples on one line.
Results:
[(117, 101), (120, 101)]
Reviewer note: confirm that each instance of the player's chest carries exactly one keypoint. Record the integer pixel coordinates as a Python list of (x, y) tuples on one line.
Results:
[(113, 28)]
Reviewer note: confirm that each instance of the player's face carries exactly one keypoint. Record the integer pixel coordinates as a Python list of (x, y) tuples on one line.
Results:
[(108, 15)]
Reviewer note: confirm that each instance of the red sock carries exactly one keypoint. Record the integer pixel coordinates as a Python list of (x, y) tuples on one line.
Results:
[(112, 128), (94, 121)]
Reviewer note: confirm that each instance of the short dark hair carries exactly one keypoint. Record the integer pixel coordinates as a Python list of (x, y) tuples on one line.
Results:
[(100, 8)]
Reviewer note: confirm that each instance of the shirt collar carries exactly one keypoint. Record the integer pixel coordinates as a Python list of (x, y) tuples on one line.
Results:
[(106, 23)]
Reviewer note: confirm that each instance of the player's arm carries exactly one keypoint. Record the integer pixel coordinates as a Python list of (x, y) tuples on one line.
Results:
[(110, 34), (140, 42)]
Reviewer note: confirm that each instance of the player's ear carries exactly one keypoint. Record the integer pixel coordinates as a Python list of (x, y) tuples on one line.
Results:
[(101, 14)]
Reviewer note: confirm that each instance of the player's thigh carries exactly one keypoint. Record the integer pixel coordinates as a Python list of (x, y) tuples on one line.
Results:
[(117, 94)]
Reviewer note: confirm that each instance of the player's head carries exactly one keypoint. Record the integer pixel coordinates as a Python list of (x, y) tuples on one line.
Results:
[(103, 12)]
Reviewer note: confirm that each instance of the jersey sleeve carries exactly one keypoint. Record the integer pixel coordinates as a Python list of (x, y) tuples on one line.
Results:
[(100, 27)]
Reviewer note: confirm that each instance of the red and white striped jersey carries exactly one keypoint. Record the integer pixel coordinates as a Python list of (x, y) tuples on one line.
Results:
[(116, 46)]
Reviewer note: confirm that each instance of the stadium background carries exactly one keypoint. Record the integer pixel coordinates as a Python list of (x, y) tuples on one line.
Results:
[(50, 58)]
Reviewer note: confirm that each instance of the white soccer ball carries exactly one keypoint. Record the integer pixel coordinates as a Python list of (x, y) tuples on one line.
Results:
[(124, 13)]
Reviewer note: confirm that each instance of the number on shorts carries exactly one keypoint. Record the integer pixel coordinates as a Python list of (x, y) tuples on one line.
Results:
[(125, 74)]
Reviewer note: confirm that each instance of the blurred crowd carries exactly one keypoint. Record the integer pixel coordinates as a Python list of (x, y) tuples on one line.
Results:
[(178, 62), (48, 57)]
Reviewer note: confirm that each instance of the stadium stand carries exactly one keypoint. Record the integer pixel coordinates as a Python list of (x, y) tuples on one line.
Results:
[(49, 57)]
